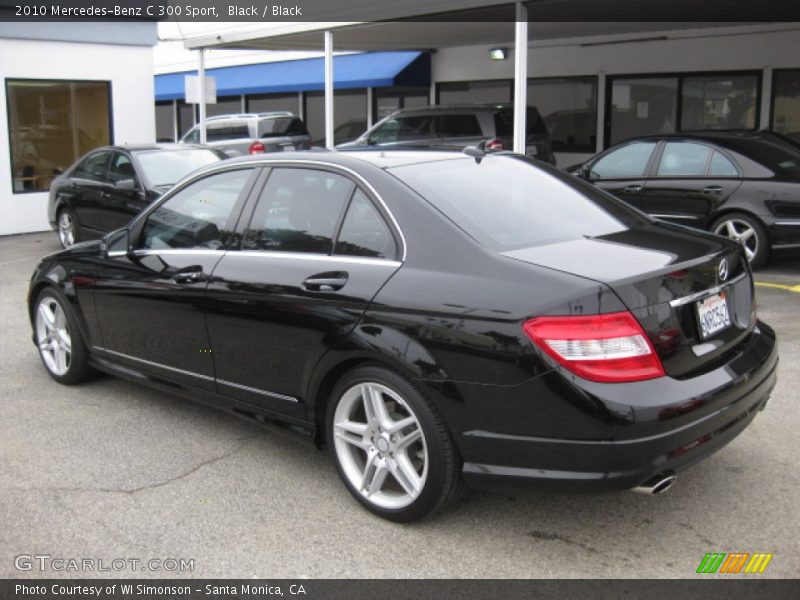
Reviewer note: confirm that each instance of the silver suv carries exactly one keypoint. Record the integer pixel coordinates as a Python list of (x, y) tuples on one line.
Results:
[(458, 126), (253, 133)]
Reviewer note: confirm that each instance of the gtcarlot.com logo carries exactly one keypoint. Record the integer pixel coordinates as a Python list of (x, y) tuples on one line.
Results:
[(734, 562), (46, 562)]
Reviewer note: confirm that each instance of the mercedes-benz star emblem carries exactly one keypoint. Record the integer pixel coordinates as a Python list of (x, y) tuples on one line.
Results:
[(723, 270)]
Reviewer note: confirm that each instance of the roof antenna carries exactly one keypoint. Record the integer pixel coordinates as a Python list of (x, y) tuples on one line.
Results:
[(479, 151)]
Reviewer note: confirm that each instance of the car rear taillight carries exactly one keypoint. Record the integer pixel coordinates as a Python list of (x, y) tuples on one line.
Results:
[(610, 348), (257, 148), (495, 144)]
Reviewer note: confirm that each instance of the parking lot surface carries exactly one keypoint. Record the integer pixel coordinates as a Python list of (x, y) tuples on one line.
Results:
[(113, 470)]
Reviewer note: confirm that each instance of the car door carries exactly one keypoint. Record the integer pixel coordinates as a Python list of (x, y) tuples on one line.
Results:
[(149, 301), (690, 181), (290, 293), (622, 170), (88, 183), (124, 195)]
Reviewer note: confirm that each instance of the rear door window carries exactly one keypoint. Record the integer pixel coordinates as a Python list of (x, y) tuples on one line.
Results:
[(94, 167), (364, 232), (683, 159), (298, 211), (629, 161), (721, 167)]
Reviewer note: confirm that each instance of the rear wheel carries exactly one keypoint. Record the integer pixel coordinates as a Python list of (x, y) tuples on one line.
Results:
[(68, 227), (59, 339), (390, 446), (749, 232)]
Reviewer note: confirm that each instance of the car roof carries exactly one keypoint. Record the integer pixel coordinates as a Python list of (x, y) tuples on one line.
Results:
[(446, 108), (154, 147), (380, 158), (710, 135)]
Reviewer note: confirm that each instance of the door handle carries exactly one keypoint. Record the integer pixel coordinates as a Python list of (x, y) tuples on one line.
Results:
[(632, 189), (192, 274), (326, 282), (712, 189)]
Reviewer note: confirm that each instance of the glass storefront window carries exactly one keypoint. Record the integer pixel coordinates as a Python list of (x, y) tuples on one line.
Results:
[(569, 109), (786, 103), (164, 122), (273, 103), (719, 102), (51, 124), (642, 106), (349, 107), (475, 92)]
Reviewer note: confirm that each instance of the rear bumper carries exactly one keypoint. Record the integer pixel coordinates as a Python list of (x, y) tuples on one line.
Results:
[(617, 436)]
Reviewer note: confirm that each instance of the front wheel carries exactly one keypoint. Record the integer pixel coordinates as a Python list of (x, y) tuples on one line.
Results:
[(749, 232), (59, 339), (390, 446)]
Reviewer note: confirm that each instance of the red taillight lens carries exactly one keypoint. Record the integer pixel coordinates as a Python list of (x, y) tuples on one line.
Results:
[(610, 348), (495, 145), (256, 148)]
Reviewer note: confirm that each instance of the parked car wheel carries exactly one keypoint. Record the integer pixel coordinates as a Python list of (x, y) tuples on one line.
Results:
[(390, 447), (747, 231), (59, 339), (69, 228)]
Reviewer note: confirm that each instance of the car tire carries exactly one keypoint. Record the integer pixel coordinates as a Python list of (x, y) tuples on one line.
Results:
[(58, 337), (399, 472), (749, 232), (68, 228)]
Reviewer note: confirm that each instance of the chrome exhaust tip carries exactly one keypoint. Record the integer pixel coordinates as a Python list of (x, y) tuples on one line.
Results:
[(657, 485)]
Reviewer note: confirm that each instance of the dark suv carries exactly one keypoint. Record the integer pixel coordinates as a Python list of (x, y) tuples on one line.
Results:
[(457, 126), (253, 133)]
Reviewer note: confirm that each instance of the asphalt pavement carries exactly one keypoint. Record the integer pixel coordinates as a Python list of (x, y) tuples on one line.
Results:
[(111, 470)]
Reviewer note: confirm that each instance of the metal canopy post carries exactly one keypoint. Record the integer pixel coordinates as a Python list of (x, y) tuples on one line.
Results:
[(329, 90), (520, 76), (201, 72)]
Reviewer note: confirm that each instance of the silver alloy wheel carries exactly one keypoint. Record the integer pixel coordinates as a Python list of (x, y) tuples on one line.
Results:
[(742, 232), (66, 229), (52, 336), (380, 445)]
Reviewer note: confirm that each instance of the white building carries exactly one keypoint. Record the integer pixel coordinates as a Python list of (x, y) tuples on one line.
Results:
[(67, 88)]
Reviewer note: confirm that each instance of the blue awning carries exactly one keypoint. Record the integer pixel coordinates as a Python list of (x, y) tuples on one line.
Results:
[(371, 69)]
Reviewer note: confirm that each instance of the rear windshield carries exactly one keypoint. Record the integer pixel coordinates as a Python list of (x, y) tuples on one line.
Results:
[(506, 202), (276, 127), (217, 132), (776, 153), (165, 167)]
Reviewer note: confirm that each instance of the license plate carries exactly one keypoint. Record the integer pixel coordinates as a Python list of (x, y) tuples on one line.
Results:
[(712, 314), (288, 148)]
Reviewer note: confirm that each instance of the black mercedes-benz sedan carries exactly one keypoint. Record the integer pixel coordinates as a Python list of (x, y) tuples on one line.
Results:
[(103, 190), (744, 185), (430, 317)]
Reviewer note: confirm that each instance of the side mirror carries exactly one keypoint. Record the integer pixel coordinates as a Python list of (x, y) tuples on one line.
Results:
[(116, 243), (125, 185)]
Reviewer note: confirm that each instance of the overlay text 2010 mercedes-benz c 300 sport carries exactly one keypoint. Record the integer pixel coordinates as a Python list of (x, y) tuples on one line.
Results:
[(430, 318)]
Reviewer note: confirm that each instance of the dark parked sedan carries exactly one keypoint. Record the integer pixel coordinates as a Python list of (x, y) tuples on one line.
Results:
[(109, 186), (430, 317), (743, 185)]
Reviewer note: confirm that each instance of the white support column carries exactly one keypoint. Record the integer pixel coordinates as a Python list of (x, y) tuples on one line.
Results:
[(300, 112), (432, 96), (766, 98), (201, 72), (244, 103), (520, 77), (175, 125), (601, 112), (329, 90), (370, 115)]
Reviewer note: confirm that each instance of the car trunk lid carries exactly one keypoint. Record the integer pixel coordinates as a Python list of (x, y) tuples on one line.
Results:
[(692, 292)]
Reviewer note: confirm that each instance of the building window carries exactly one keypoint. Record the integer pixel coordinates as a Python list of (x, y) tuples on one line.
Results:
[(569, 109), (686, 102), (349, 113), (472, 92), (719, 102), (51, 124), (231, 105), (274, 103), (165, 119), (388, 100), (786, 103), (642, 106)]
